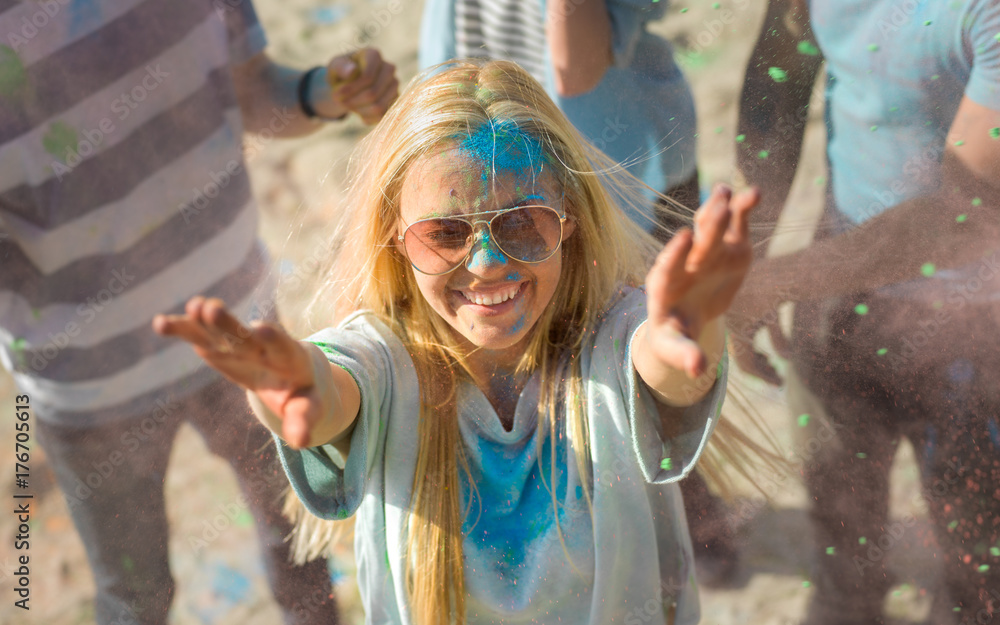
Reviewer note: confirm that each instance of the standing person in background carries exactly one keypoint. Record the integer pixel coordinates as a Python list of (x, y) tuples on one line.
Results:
[(123, 192), (620, 86), (896, 307)]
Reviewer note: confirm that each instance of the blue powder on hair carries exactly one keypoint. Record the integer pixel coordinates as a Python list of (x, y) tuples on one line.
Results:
[(503, 147)]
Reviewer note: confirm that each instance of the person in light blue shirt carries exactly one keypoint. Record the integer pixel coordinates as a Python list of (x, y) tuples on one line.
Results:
[(895, 330), (617, 82)]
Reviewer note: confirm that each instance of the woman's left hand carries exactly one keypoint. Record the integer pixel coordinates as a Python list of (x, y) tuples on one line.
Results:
[(696, 277)]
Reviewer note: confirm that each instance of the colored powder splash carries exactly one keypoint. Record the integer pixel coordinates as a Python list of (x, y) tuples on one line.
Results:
[(995, 133), (882, 351), (803, 420), (763, 154), (808, 48), (488, 254), (666, 464), (861, 309), (777, 74), (60, 139), (829, 551), (928, 269), (741, 138), (12, 74), (961, 218), (502, 147)]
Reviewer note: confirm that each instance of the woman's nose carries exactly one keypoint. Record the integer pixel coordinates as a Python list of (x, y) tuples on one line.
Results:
[(485, 253)]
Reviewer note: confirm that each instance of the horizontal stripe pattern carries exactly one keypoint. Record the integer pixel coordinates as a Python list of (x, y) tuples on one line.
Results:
[(107, 119), (512, 30), (158, 209), (61, 357), (120, 224)]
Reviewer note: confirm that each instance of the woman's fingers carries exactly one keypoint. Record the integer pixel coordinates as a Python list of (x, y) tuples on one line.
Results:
[(742, 204), (667, 278), (711, 222)]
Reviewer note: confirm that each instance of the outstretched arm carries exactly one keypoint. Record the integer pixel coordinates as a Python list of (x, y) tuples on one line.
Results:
[(692, 282), (579, 35), (774, 110), (309, 401), (269, 98)]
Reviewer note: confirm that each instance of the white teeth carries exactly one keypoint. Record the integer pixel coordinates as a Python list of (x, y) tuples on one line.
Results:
[(487, 299)]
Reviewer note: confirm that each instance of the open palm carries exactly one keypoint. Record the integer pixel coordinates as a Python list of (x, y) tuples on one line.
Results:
[(696, 277)]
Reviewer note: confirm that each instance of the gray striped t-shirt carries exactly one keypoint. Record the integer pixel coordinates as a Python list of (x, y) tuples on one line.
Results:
[(123, 192)]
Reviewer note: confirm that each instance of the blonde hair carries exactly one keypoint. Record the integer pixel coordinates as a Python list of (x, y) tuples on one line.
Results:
[(605, 252)]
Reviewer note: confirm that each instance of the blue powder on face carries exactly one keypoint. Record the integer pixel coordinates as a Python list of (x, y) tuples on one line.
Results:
[(514, 329), (486, 253), (502, 147)]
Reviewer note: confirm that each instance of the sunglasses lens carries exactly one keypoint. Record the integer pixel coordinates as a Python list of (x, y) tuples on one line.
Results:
[(437, 245), (530, 234)]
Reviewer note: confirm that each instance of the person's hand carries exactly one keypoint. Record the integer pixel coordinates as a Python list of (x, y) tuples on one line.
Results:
[(756, 307), (263, 359), (696, 276), (362, 82)]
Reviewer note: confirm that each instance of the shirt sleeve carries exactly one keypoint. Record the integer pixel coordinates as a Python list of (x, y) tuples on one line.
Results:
[(983, 38), (246, 35), (628, 23), (662, 457), (330, 486)]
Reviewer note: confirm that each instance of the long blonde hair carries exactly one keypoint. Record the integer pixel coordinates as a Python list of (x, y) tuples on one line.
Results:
[(605, 252)]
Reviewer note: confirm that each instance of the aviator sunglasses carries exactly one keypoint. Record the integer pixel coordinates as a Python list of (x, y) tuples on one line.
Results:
[(439, 245)]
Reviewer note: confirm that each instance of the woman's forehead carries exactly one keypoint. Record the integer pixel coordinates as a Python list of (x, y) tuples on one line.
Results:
[(453, 174)]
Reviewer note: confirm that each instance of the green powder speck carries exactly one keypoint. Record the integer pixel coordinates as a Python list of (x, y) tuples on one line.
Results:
[(928, 22), (820, 181), (803, 420), (995, 551), (861, 309), (763, 154), (873, 128), (959, 143), (777, 74), (718, 130), (862, 455), (983, 568), (961, 218), (716, 5), (684, 10), (995, 133), (829, 551), (893, 109), (935, 76), (808, 48), (862, 541), (882, 351), (806, 584), (928, 269), (953, 525), (977, 201), (666, 464), (873, 47), (741, 138)]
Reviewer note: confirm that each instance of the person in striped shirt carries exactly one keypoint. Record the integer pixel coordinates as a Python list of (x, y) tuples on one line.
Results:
[(123, 192)]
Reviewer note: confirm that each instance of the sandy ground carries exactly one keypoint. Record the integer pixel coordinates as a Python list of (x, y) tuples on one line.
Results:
[(298, 184)]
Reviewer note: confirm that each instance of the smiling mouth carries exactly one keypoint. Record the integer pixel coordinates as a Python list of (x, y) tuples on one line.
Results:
[(492, 298)]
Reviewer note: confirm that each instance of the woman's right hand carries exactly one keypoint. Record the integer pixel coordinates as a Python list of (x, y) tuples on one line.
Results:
[(263, 359)]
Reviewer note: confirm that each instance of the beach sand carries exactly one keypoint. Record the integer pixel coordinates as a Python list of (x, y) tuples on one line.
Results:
[(299, 184)]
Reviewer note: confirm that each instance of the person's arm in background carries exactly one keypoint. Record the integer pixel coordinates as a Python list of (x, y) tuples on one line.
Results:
[(923, 230), (774, 110), (580, 36), (268, 91)]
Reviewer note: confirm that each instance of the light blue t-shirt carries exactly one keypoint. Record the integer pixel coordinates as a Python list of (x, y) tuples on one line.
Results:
[(897, 71), (642, 112), (632, 557)]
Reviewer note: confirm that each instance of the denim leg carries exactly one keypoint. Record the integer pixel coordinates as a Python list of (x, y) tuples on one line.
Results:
[(224, 419), (112, 477)]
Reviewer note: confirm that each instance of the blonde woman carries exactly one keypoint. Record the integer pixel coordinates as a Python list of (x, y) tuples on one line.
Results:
[(505, 409)]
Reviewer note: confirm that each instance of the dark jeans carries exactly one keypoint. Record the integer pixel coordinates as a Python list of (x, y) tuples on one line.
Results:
[(113, 477), (938, 384)]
